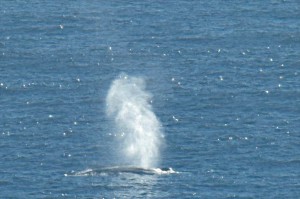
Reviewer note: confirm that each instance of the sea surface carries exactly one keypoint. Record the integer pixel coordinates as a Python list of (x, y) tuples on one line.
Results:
[(225, 83)]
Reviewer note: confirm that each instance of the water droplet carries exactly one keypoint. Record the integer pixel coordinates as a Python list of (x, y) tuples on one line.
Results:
[(174, 118)]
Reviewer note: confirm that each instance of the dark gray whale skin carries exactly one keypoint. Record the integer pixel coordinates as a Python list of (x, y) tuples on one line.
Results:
[(115, 170), (128, 169)]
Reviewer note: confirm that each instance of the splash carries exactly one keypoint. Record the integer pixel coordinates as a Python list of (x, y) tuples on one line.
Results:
[(128, 103)]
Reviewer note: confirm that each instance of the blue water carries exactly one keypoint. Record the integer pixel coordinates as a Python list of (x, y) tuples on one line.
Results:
[(225, 80)]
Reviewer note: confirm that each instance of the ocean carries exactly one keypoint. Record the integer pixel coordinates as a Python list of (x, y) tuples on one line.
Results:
[(150, 99)]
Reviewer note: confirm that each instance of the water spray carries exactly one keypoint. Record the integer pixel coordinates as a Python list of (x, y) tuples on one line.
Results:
[(129, 105)]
